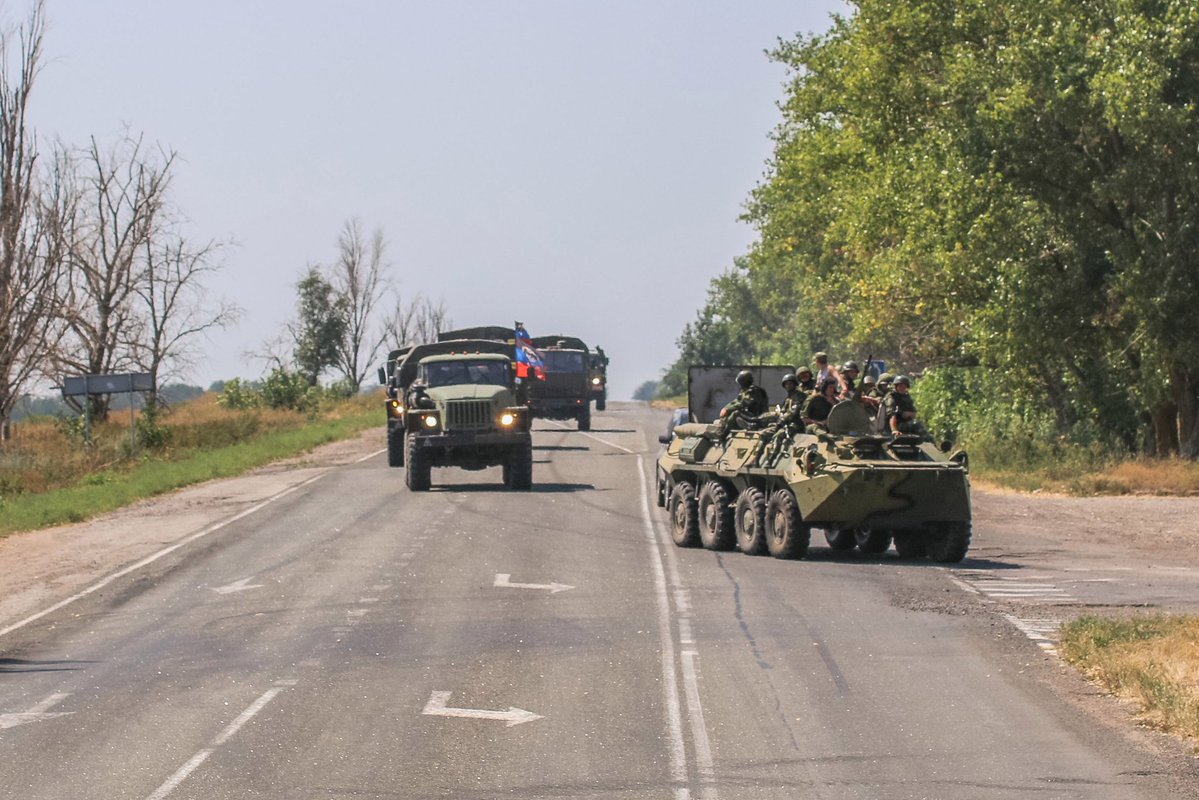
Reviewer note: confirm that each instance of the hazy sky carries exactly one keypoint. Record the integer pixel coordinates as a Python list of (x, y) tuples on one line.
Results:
[(576, 165)]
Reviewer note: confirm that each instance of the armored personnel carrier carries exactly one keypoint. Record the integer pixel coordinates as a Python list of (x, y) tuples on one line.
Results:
[(766, 491)]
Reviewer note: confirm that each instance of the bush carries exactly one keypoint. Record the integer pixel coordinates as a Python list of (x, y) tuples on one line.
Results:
[(237, 394), (285, 389), (150, 433)]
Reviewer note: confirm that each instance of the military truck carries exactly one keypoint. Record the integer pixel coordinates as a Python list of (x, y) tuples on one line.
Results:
[(400, 370), (461, 411), (394, 405), (766, 491), (566, 391), (598, 378)]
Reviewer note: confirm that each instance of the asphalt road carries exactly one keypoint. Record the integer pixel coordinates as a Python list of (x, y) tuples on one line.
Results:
[(350, 639)]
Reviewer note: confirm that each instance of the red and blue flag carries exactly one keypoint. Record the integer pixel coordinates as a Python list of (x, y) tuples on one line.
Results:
[(527, 357)]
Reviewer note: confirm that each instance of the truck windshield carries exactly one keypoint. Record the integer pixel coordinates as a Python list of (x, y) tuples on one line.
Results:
[(453, 373), (562, 360)]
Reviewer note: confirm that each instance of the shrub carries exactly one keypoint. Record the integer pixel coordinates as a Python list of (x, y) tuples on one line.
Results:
[(237, 394)]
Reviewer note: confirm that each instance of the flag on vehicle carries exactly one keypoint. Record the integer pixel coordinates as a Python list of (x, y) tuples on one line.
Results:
[(527, 357)]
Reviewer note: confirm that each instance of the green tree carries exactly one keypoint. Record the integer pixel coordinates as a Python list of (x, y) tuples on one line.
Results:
[(1004, 183), (320, 327)]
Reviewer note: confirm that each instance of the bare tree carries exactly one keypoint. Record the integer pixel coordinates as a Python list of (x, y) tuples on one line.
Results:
[(175, 311), (416, 321), (121, 209), (30, 256), (359, 276)]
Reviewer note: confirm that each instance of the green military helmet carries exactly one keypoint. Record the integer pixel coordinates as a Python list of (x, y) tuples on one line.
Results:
[(904, 379), (868, 380), (803, 371), (745, 379), (850, 365), (886, 377), (788, 377)]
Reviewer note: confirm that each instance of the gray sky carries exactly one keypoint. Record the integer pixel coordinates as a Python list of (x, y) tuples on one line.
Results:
[(576, 165)]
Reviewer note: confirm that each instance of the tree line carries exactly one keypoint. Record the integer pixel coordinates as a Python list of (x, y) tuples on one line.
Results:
[(97, 277), (998, 193)]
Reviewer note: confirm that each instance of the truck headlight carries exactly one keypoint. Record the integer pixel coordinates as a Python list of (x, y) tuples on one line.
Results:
[(595, 381), (429, 421), (507, 419)]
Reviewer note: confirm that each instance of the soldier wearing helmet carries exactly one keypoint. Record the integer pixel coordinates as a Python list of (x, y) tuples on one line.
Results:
[(900, 409), (807, 383), (795, 398), (817, 408), (750, 402), (849, 378)]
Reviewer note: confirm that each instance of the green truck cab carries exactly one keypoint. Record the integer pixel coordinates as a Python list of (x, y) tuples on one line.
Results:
[(461, 410)]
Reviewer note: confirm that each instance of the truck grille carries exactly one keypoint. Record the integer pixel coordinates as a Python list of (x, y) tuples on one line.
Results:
[(468, 415)]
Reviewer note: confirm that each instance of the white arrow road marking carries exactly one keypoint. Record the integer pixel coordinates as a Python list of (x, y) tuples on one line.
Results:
[(503, 580), (237, 586), (37, 713), (436, 707)]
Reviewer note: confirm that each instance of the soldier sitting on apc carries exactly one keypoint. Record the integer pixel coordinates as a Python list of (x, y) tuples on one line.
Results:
[(900, 410), (818, 406), (744, 410)]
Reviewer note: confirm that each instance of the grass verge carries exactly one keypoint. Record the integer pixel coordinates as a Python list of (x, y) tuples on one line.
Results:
[(109, 489), (1152, 660)]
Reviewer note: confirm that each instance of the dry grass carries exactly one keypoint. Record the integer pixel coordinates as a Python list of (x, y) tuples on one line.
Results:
[(47, 454), (1151, 660), (1173, 477)]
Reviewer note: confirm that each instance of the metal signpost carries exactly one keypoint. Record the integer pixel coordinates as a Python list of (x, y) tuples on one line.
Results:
[(121, 383)]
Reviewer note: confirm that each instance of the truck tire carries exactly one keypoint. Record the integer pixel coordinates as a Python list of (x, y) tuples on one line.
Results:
[(749, 521), (786, 534), (419, 471), (518, 468), (584, 417), (910, 544), (948, 542), (395, 446), (873, 542), (840, 538), (716, 517), (601, 402), (684, 516)]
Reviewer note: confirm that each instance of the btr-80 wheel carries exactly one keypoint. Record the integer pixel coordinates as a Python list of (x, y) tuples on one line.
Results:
[(395, 446), (749, 521), (840, 538), (947, 542), (786, 534), (716, 517), (873, 542), (684, 516)]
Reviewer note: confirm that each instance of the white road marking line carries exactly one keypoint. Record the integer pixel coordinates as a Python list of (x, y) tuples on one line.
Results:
[(961, 584), (503, 580), (438, 707), (369, 456), (38, 712), (685, 634), (237, 586), (592, 436), (95, 587), (695, 710), (1035, 632), (368, 599), (230, 730), (674, 710)]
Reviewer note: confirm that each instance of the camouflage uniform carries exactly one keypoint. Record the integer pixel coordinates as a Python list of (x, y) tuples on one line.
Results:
[(817, 409), (752, 401), (895, 406)]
